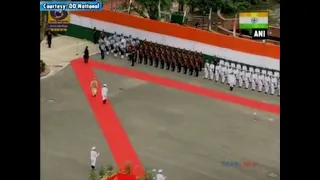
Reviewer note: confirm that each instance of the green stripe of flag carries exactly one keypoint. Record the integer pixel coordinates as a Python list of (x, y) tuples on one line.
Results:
[(253, 26)]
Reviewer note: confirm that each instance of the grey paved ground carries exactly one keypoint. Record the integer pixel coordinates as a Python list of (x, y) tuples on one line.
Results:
[(186, 135)]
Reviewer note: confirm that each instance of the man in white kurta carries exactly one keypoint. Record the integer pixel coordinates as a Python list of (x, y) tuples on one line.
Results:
[(93, 157), (104, 93), (160, 175)]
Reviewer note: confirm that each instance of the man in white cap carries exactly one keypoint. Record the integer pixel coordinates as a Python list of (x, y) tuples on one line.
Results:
[(93, 157), (160, 175), (104, 93)]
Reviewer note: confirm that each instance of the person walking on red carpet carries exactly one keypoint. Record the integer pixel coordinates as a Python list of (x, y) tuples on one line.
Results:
[(94, 87), (104, 93)]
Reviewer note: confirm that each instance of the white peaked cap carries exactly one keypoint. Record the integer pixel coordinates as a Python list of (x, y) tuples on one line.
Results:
[(160, 171), (93, 148), (104, 85)]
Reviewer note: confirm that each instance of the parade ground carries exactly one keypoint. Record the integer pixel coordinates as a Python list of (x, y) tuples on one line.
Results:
[(184, 125)]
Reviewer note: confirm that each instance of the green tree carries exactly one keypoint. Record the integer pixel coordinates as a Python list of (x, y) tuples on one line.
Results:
[(181, 4), (226, 6), (151, 6)]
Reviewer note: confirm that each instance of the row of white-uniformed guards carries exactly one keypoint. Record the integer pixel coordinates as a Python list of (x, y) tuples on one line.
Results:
[(244, 68)]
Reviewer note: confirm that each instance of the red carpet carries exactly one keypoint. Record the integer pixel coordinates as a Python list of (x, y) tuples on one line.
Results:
[(111, 127)]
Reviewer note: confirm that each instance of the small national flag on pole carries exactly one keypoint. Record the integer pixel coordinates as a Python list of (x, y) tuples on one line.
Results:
[(253, 20)]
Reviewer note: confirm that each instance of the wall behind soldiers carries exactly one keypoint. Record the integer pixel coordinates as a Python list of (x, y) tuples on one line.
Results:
[(234, 49)]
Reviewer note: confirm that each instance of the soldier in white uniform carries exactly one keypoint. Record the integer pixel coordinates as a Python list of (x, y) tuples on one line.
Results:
[(116, 48), (241, 77), (254, 79), (233, 65), (231, 80), (279, 87), (104, 93), (267, 82), (102, 48), (238, 66), (117, 38), (251, 70), (247, 79), (244, 67), (229, 71), (227, 64), (257, 70), (112, 42), (123, 49), (221, 62), (93, 157), (236, 73), (211, 70), (260, 82), (160, 175), (206, 69), (108, 45), (223, 72), (217, 72), (273, 85)]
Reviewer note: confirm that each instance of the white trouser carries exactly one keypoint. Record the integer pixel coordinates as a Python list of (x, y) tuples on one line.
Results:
[(253, 84), (240, 81), (260, 85), (246, 82), (223, 78), (272, 88), (217, 75), (211, 73), (206, 73), (266, 88)]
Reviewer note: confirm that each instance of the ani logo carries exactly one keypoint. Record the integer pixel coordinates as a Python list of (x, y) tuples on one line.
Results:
[(254, 20)]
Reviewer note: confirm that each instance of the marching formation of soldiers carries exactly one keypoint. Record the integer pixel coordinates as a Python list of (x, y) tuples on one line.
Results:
[(187, 62), (249, 78)]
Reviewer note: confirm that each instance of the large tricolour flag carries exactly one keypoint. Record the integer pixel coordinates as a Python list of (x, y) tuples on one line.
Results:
[(253, 20)]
